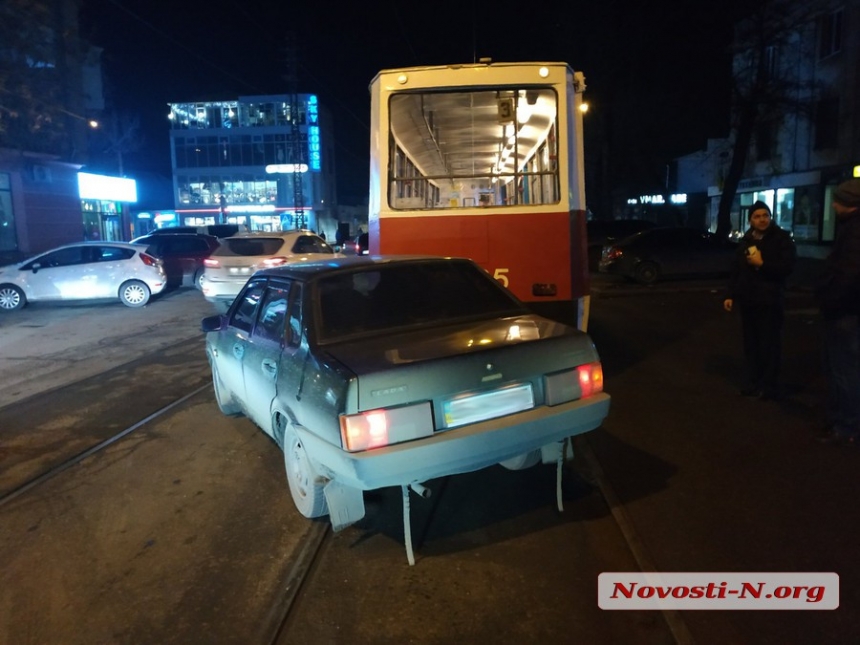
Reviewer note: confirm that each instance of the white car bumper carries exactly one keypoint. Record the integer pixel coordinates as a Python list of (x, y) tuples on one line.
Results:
[(455, 451)]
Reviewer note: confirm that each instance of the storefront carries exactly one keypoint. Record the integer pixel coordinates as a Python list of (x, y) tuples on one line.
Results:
[(104, 204), (801, 204)]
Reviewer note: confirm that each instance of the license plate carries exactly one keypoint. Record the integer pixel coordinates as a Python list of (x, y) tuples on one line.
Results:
[(488, 405), (239, 270)]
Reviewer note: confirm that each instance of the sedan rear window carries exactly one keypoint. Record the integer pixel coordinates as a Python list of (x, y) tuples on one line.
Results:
[(384, 298), (250, 246)]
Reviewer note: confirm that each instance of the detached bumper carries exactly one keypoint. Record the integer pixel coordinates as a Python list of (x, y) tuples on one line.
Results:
[(455, 451)]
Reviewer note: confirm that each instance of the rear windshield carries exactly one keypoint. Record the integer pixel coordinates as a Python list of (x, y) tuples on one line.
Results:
[(250, 246), (383, 298)]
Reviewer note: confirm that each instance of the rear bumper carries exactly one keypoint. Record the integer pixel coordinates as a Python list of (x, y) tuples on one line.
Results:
[(455, 451), (221, 291)]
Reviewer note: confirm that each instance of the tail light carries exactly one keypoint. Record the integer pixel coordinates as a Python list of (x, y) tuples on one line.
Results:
[(274, 262), (613, 253), (385, 426), (590, 378), (148, 260), (570, 385), (212, 263)]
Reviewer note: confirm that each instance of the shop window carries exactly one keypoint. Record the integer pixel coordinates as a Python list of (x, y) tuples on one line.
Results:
[(806, 211)]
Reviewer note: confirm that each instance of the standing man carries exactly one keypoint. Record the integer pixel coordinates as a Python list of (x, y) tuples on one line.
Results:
[(765, 258), (838, 295)]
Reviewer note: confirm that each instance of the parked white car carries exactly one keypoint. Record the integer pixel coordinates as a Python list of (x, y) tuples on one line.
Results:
[(84, 271), (231, 265)]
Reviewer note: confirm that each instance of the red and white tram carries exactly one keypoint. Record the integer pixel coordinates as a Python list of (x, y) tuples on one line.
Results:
[(484, 161)]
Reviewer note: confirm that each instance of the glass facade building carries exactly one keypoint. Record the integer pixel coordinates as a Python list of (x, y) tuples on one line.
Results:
[(262, 162)]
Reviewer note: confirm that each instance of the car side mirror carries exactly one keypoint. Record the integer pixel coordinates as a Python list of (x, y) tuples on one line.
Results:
[(213, 323), (35, 268)]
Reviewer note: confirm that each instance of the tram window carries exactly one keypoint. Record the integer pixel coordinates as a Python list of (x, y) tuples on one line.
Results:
[(457, 149)]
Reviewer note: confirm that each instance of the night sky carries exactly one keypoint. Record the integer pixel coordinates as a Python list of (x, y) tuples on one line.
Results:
[(659, 71)]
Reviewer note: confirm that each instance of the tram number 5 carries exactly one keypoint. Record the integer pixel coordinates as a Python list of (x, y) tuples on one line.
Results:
[(501, 277)]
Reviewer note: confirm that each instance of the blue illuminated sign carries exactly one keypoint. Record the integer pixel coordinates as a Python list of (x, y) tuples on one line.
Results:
[(313, 133)]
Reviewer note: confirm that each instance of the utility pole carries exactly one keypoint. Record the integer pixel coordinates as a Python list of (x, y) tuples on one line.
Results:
[(297, 150)]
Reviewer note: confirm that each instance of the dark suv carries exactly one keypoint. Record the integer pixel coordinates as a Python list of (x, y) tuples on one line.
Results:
[(182, 255)]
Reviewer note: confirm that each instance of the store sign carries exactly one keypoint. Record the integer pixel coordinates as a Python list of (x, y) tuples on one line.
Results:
[(674, 198), (102, 187), (277, 168)]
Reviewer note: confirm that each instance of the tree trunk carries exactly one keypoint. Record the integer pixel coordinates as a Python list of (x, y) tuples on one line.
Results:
[(740, 150)]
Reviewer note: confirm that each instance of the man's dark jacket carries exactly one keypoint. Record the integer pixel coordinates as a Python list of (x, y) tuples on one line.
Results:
[(838, 288), (763, 286)]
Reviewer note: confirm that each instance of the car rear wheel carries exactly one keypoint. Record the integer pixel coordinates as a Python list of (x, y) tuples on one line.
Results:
[(134, 293), (523, 461), (646, 272), (198, 280), (11, 298), (306, 486), (223, 396)]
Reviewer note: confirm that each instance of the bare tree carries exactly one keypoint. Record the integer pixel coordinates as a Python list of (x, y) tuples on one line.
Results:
[(39, 62), (768, 49)]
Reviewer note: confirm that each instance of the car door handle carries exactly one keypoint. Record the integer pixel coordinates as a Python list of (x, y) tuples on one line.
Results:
[(270, 367), (239, 350)]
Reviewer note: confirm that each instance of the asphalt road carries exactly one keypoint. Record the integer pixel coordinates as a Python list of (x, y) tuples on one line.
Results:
[(184, 532)]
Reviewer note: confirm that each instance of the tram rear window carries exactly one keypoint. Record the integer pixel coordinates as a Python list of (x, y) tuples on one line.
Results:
[(473, 148)]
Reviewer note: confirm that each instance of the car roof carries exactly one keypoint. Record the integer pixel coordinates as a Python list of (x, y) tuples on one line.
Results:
[(314, 268), (132, 245)]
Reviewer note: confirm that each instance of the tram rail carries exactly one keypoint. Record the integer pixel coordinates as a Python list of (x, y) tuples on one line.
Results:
[(308, 560), (76, 459)]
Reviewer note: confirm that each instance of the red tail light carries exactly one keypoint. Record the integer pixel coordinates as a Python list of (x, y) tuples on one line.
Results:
[(613, 253), (274, 262), (211, 262), (590, 378), (148, 260), (386, 426)]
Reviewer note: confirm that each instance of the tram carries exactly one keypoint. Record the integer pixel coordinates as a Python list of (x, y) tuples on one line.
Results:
[(485, 161)]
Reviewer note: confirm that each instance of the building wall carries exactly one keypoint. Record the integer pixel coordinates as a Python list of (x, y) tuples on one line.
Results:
[(796, 177), (45, 201)]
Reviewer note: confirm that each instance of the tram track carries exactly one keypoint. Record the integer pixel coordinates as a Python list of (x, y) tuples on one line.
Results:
[(309, 560), (76, 459)]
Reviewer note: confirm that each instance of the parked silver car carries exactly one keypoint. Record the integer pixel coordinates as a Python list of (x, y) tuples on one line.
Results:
[(83, 271), (372, 372), (228, 268)]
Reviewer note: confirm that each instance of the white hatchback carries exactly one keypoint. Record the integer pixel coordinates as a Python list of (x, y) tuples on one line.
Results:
[(238, 257), (84, 271)]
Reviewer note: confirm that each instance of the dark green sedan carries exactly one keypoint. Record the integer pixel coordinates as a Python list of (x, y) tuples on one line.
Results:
[(391, 371)]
